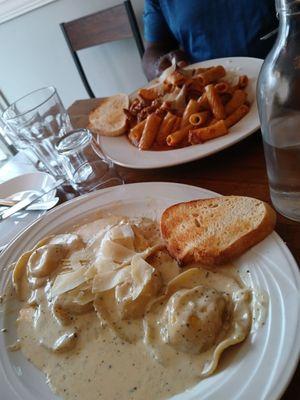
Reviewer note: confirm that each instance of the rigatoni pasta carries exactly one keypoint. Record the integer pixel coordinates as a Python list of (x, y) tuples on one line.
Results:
[(150, 131), (215, 102), (243, 81), (236, 116), (136, 132), (212, 74), (177, 124), (166, 128), (199, 118), (177, 137), (222, 87), (203, 102), (190, 106), (238, 98), (202, 135)]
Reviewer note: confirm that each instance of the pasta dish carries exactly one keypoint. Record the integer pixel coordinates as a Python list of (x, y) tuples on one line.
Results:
[(187, 107), (105, 310)]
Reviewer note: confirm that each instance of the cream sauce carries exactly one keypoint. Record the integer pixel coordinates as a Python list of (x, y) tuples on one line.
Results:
[(82, 351), (104, 366)]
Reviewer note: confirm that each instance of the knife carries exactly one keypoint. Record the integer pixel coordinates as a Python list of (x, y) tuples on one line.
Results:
[(26, 202)]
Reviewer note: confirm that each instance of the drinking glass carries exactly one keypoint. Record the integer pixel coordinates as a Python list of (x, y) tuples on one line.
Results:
[(87, 167), (38, 120), (20, 144)]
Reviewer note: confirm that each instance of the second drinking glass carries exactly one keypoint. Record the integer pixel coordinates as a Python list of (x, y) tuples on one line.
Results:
[(86, 166)]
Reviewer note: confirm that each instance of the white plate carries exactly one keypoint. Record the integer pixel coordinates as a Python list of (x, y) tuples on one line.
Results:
[(35, 181), (259, 369), (122, 152)]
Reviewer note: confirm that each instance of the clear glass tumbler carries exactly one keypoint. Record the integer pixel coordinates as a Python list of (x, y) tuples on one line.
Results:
[(278, 95), (87, 167), (22, 145), (39, 120)]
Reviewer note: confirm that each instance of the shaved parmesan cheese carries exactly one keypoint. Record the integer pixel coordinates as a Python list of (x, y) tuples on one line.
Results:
[(167, 72), (141, 273), (80, 258), (180, 102), (123, 234), (68, 281), (150, 250), (170, 97), (140, 243), (103, 265), (115, 252), (90, 272), (133, 296), (109, 280), (95, 242), (158, 82), (117, 248)]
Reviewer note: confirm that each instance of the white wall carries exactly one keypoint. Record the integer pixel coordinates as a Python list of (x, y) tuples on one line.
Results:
[(33, 54)]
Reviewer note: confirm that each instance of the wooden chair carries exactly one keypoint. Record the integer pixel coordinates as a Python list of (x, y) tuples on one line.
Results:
[(105, 26)]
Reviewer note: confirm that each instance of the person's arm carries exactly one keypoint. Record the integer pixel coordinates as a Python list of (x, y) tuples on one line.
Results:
[(161, 45), (158, 56)]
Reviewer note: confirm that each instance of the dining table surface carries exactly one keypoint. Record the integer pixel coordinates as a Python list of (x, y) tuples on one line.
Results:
[(237, 170)]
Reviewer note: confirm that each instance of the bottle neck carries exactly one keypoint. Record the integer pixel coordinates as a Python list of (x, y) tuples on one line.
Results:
[(287, 6), (289, 17)]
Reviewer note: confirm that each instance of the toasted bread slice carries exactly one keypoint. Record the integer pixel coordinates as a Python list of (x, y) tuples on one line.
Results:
[(109, 119), (214, 231)]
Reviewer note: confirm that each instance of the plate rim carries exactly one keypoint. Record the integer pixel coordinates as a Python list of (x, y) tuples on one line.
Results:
[(189, 158), (291, 366), (45, 175), (280, 386)]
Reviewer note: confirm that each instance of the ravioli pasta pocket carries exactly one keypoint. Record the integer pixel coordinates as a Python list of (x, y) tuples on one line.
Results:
[(105, 310)]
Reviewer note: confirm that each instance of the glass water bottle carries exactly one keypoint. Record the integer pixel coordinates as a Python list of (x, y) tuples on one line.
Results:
[(278, 96)]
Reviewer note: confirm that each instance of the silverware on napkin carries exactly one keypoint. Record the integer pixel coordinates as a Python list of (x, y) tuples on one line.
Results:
[(26, 202), (36, 206)]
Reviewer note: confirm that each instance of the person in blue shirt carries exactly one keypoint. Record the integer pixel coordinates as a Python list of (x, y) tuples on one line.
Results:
[(196, 30)]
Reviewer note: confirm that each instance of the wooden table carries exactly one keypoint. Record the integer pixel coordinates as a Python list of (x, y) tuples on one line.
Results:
[(238, 170)]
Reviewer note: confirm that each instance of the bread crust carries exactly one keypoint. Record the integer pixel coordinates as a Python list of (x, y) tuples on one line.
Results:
[(107, 110), (100, 132), (186, 252)]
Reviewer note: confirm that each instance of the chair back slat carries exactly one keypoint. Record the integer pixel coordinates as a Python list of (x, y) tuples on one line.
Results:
[(98, 28), (115, 23)]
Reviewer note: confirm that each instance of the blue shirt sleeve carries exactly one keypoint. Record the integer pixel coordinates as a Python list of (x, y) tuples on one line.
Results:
[(155, 26)]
